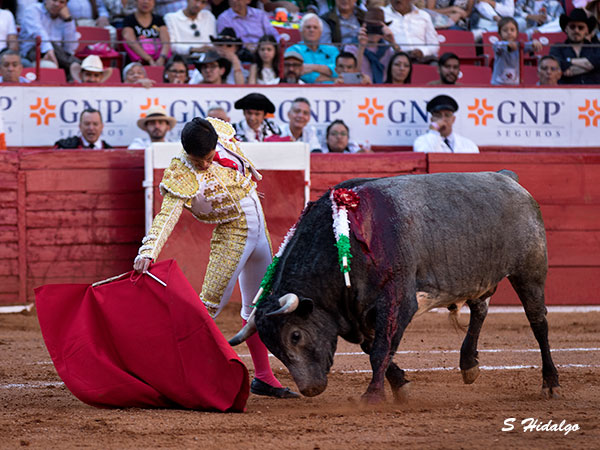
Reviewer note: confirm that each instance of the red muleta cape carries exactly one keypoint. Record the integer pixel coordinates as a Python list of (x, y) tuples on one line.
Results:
[(136, 343)]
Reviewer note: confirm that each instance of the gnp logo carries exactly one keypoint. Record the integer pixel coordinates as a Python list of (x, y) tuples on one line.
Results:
[(590, 113), (42, 111), (150, 103), (371, 111), (509, 112)]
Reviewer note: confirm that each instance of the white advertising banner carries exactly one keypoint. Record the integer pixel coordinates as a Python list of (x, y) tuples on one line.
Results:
[(391, 116)]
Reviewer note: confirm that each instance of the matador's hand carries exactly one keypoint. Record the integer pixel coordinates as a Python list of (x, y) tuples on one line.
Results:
[(142, 265)]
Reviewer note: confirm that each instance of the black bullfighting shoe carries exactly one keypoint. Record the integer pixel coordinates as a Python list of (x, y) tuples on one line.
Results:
[(259, 387)]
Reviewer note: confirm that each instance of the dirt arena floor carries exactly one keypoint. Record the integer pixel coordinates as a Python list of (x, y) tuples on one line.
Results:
[(37, 411)]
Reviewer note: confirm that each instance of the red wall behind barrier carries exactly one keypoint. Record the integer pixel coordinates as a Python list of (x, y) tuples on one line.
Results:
[(76, 216)]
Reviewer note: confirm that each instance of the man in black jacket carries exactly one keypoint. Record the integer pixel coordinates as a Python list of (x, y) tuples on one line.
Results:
[(90, 126), (579, 59)]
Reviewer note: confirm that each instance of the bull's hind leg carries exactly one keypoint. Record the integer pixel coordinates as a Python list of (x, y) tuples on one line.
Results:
[(531, 293), (469, 365), (399, 384)]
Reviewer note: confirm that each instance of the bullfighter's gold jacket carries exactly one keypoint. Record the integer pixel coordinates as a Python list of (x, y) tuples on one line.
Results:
[(212, 195)]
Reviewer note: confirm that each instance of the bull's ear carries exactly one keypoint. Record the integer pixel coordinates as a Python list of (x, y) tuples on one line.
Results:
[(305, 308)]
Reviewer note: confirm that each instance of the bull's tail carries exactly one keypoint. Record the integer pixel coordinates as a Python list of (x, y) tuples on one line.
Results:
[(509, 174), (454, 315)]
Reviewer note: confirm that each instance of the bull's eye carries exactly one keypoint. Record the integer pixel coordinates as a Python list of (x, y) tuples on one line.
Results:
[(295, 337)]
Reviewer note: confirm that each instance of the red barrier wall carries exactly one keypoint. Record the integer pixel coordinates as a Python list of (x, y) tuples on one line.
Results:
[(77, 216)]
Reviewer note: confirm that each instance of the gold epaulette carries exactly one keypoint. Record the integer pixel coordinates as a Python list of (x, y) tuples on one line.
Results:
[(224, 130), (179, 180)]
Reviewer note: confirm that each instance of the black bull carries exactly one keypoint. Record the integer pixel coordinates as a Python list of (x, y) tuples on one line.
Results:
[(418, 242)]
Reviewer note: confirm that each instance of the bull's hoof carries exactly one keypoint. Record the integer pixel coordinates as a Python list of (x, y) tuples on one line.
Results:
[(402, 394), (550, 393), (372, 398), (470, 375)]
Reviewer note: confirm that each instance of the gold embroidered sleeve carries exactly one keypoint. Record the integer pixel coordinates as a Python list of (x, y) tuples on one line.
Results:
[(162, 226)]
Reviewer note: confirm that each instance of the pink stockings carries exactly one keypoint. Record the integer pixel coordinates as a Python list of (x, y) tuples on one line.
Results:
[(260, 359)]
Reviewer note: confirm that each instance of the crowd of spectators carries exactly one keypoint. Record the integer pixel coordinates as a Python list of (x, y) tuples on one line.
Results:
[(235, 42)]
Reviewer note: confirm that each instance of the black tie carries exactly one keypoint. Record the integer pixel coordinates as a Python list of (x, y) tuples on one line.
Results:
[(91, 146), (447, 142)]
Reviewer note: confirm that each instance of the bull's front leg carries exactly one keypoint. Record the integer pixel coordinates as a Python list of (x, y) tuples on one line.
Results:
[(394, 312)]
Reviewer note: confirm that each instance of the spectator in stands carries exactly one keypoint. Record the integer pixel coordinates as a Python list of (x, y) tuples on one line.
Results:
[(191, 28), (211, 68), (457, 13), (52, 22), (218, 112), (293, 67), (346, 67), (413, 30), (90, 126), (255, 127), (229, 46), (265, 70), (118, 10), (399, 69), (538, 15), (11, 67), (298, 129), (593, 10), (146, 35), (549, 71), (337, 140), (91, 70), (164, 7), (176, 71), (449, 69), (318, 59), (579, 60), (440, 137), (8, 31), (488, 14), (507, 53), (376, 44), (89, 13), (135, 73), (250, 24), (157, 123), (342, 23)]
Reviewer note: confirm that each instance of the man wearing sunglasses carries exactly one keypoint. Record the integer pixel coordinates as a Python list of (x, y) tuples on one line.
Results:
[(191, 28), (579, 60)]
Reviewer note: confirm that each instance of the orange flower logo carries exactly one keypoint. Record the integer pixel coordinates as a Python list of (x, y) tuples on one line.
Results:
[(42, 111), (371, 111), (481, 112), (590, 113), (150, 102)]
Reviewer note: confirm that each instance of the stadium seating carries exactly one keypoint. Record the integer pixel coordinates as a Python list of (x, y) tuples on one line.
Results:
[(47, 75), (289, 36), (93, 35), (424, 73), (547, 39), (461, 43), (155, 73), (529, 76), (475, 74)]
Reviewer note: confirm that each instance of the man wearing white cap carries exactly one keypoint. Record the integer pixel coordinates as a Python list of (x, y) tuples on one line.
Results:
[(157, 123), (91, 70)]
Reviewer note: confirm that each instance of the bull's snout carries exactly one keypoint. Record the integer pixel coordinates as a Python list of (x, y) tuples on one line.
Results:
[(313, 391)]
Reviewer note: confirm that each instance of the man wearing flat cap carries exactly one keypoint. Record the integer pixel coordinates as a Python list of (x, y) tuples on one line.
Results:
[(579, 60), (255, 127), (440, 137), (157, 123)]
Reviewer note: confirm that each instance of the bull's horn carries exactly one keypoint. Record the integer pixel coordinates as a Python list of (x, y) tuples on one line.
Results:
[(289, 303), (248, 330)]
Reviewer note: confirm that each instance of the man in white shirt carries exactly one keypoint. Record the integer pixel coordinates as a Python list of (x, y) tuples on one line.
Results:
[(255, 127), (413, 30), (298, 129), (157, 123), (440, 137), (191, 28)]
